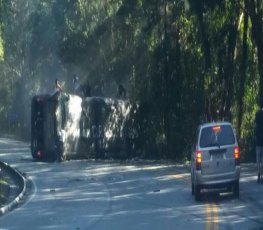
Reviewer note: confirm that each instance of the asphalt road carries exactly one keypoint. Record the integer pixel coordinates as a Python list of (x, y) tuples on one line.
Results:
[(85, 194)]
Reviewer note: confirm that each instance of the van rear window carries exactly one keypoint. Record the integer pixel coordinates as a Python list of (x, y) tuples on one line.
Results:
[(217, 136)]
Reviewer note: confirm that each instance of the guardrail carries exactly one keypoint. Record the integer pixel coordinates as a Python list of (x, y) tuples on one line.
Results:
[(19, 178)]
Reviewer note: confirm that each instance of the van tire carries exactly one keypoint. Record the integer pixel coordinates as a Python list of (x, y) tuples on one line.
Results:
[(197, 191), (236, 189)]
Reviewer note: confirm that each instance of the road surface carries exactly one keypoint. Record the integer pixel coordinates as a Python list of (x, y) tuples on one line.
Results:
[(86, 194)]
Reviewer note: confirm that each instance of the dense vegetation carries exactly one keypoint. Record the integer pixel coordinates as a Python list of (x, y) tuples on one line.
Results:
[(184, 62)]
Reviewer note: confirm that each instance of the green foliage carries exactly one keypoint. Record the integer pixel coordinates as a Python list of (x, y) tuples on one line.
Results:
[(182, 61)]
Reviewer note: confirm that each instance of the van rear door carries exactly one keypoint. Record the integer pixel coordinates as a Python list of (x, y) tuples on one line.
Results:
[(217, 145)]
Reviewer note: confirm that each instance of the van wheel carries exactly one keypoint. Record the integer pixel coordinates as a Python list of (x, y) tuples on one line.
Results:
[(197, 191), (236, 189)]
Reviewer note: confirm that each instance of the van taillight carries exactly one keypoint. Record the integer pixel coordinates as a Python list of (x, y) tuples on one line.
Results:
[(198, 158), (237, 155)]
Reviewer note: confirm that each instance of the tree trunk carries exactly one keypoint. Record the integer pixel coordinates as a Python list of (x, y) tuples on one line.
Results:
[(207, 63), (243, 68), (229, 73), (256, 20), (205, 41)]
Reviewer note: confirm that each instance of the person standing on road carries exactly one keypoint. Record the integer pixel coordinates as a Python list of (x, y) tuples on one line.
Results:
[(259, 141)]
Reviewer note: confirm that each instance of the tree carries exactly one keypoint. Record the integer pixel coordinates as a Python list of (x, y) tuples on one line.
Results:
[(184, 62), (256, 13)]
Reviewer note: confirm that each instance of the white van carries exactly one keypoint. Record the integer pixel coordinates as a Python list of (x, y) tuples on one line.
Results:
[(215, 159)]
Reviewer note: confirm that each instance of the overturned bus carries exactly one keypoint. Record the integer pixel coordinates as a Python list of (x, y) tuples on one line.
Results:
[(51, 116), (92, 127), (105, 128)]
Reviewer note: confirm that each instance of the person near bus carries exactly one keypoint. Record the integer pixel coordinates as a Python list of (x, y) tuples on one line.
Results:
[(58, 87), (60, 145)]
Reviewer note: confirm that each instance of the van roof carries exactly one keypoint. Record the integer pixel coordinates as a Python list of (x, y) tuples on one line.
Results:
[(214, 123)]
